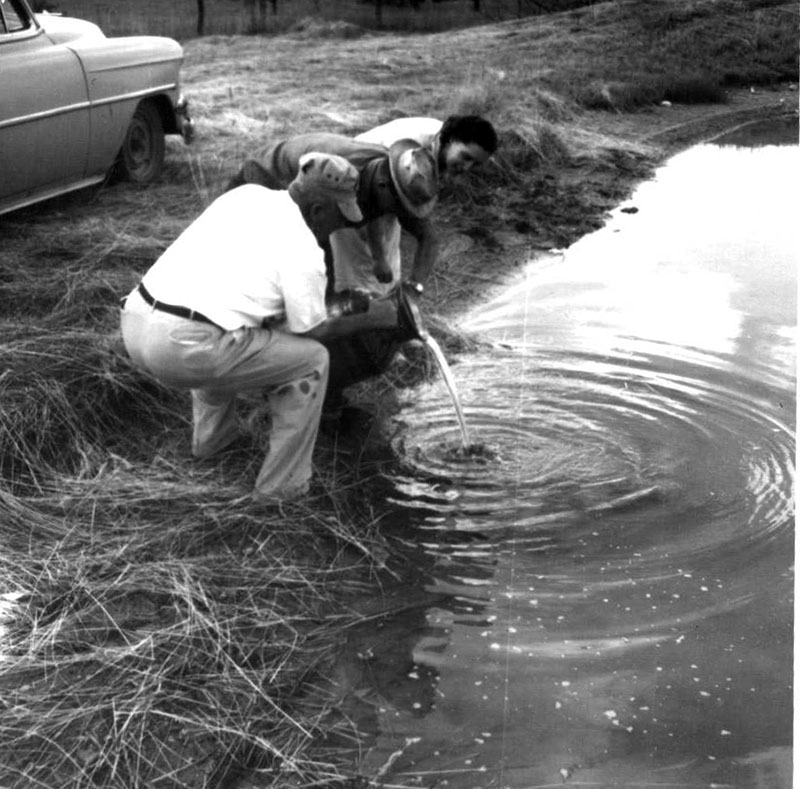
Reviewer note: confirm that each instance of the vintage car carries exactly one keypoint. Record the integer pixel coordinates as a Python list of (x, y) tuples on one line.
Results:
[(76, 106)]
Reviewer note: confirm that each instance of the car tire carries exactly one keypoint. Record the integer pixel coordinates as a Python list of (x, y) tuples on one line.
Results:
[(142, 154)]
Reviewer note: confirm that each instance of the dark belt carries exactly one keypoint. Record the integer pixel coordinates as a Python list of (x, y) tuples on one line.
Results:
[(172, 309)]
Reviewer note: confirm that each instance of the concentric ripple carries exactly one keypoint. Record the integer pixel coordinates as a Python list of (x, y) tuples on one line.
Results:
[(571, 437)]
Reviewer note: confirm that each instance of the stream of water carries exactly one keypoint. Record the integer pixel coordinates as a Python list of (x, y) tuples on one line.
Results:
[(605, 598), (447, 376)]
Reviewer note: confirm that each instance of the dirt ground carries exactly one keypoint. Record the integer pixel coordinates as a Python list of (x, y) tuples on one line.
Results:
[(565, 201)]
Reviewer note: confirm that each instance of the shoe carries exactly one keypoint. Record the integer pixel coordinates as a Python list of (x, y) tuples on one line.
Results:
[(233, 445), (409, 320)]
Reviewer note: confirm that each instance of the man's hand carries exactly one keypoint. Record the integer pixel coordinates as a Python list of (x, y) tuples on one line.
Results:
[(382, 271), (377, 232)]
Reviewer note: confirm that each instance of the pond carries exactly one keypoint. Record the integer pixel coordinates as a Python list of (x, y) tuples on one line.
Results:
[(604, 595)]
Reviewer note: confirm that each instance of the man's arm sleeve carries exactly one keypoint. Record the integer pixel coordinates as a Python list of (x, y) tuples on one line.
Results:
[(427, 245), (280, 165)]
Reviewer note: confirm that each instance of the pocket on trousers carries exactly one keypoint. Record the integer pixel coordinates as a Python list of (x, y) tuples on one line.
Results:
[(194, 335), (192, 356)]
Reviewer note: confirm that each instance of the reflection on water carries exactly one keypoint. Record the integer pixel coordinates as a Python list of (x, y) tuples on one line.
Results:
[(605, 598)]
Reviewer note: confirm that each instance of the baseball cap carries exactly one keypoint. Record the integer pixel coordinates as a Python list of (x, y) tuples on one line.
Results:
[(331, 176)]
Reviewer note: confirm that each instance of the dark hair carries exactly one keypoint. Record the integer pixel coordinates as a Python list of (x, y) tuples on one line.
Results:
[(469, 129)]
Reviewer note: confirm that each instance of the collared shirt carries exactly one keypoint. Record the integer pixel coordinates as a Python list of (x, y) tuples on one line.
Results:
[(249, 257), (422, 130)]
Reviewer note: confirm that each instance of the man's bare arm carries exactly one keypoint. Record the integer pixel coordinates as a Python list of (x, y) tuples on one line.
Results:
[(427, 246), (376, 232)]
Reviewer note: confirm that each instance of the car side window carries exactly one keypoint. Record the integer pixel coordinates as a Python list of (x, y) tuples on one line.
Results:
[(13, 17)]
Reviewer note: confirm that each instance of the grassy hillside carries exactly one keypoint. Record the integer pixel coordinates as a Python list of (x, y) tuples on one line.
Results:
[(162, 629), (178, 18)]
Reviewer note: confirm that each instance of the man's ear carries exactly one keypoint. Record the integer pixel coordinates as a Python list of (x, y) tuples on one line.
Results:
[(316, 212)]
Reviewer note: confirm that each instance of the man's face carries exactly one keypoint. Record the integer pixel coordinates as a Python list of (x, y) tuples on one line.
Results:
[(459, 157), (376, 196), (325, 217)]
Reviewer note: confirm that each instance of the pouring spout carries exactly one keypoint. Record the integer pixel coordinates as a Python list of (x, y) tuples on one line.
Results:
[(409, 318)]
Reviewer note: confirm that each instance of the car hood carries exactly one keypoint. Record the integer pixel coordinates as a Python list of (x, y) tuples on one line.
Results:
[(64, 29)]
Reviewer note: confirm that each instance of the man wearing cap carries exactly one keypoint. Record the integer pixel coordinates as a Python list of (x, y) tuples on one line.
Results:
[(400, 181), (237, 305)]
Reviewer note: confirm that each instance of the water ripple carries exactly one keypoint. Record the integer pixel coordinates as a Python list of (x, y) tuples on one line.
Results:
[(578, 439)]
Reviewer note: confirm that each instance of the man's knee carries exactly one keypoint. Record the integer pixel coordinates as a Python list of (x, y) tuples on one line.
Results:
[(320, 356)]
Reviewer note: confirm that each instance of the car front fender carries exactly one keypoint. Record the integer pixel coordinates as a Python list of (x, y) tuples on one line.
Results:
[(118, 68), (121, 72)]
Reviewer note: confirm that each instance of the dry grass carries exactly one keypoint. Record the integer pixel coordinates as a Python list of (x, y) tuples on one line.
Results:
[(169, 661), (162, 628)]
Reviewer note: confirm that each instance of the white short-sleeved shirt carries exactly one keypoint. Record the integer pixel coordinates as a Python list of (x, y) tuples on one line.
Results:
[(423, 130), (248, 257)]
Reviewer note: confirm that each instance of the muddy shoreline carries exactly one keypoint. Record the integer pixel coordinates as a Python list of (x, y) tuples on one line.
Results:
[(570, 200)]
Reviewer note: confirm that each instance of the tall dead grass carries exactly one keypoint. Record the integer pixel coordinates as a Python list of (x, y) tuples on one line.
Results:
[(148, 669), (161, 627), (158, 626)]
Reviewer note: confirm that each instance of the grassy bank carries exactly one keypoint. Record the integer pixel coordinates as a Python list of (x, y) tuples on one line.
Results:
[(162, 629)]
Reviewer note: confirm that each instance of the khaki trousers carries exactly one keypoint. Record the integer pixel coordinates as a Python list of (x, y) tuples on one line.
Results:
[(217, 365), (353, 262)]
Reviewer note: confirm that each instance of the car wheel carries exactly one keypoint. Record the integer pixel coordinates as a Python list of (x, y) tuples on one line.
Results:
[(142, 155)]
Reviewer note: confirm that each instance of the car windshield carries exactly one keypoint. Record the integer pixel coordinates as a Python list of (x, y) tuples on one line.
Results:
[(14, 17)]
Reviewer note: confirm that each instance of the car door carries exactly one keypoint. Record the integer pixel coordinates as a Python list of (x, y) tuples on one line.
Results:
[(44, 110)]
